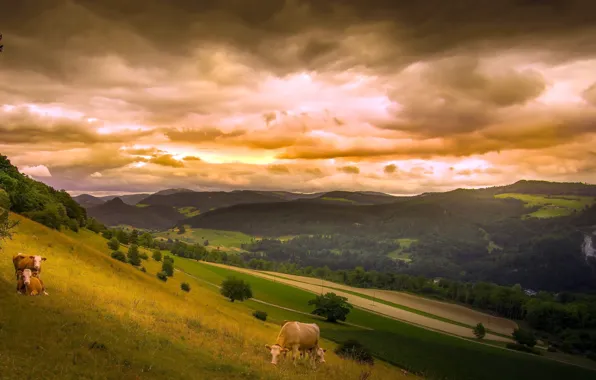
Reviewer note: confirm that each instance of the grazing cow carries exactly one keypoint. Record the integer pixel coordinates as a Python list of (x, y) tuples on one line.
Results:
[(294, 337), (33, 286), (22, 262)]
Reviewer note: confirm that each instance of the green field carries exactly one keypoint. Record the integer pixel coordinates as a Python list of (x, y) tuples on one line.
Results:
[(435, 355), (105, 319), (399, 254), (225, 240), (189, 211), (550, 206)]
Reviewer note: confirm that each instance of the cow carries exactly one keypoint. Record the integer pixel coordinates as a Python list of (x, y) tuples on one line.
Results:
[(295, 337), (33, 286), (22, 262)]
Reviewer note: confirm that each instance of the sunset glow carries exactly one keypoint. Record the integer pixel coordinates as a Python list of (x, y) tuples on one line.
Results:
[(305, 99)]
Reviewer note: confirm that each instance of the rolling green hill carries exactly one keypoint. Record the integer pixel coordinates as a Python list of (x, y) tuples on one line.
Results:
[(105, 319)]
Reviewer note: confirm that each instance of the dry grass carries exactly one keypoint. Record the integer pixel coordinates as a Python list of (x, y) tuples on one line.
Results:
[(106, 320)]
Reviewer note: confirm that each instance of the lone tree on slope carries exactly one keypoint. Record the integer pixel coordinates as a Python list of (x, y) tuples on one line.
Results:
[(333, 307), (235, 289), (479, 331)]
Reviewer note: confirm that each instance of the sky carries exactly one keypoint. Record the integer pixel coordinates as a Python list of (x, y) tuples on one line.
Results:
[(401, 97)]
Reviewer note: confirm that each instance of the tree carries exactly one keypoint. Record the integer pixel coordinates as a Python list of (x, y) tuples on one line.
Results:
[(146, 240), (168, 266), (162, 276), (235, 289), (134, 237), (524, 337), (181, 230), (133, 255), (479, 331), (331, 306), (120, 256), (157, 255), (114, 244), (6, 225)]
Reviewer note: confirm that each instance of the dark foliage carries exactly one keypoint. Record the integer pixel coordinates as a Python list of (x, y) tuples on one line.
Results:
[(354, 350), (525, 337), (523, 348), (162, 276), (185, 286), (331, 306), (262, 315), (38, 201), (133, 255), (120, 256), (114, 244), (168, 266), (235, 289), (116, 212), (156, 255)]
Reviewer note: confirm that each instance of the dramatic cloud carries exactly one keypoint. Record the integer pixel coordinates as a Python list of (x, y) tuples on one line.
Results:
[(305, 95)]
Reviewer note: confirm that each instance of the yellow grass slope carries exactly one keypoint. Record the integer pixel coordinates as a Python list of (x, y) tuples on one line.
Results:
[(107, 320)]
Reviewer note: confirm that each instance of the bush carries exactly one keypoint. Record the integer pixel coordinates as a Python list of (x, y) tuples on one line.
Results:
[(235, 289), (479, 331), (156, 255), (524, 337), (143, 270), (162, 276), (551, 349), (523, 348), (133, 255), (114, 244), (262, 315), (168, 267), (143, 256), (120, 256), (354, 350), (185, 286)]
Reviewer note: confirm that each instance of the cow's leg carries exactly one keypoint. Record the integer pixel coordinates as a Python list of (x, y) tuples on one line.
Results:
[(295, 353)]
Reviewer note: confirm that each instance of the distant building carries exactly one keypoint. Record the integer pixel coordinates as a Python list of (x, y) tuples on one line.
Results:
[(436, 280), (530, 292)]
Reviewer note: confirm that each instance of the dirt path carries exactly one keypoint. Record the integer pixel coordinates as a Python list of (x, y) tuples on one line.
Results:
[(378, 308), (446, 310)]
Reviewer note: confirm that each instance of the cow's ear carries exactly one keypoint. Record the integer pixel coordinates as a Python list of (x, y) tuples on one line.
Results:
[(324, 350), (284, 350), (43, 259), (31, 257), (268, 347)]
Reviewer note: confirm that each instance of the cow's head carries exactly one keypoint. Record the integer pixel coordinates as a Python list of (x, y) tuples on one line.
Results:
[(275, 350), (320, 355), (27, 276), (37, 261)]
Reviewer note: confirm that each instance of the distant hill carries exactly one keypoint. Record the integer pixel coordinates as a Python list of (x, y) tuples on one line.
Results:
[(87, 200), (205, 201), (173, 191), (355, 198), (115, 212), (130, 199)]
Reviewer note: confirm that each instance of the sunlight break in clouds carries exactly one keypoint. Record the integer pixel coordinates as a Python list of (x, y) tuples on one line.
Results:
[(298, 95)]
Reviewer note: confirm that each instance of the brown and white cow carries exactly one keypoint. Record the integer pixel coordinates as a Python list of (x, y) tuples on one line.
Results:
[(295, 337), (33, 285), (22, 262)]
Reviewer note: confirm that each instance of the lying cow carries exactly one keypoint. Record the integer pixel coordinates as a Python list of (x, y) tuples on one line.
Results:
[(22, 262), (31, 284), (296, 337)]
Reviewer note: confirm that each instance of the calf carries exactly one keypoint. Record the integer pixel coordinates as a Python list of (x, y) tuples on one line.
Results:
[(33, 286)]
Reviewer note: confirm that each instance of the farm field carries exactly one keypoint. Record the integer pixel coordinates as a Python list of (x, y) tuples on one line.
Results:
[(384, 309), (432, 354), (226, 240), (551, 206), (104, 319), (449, 311), (399, 253)]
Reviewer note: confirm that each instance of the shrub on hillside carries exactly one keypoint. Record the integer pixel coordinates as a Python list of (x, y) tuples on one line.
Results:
[(120, 256), (235, 289), (524, 337), (185, 286), (162, 276), (142, 269), (133, 255), (156, 255), (523, 348), (143, 256), (479, 331), (168, 266), (114, 244), (262, 315), (354, 350)]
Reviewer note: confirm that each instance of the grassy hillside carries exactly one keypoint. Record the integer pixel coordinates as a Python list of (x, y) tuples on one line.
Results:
[(436, 355), (225, 240), (551, 206), (107, 320)]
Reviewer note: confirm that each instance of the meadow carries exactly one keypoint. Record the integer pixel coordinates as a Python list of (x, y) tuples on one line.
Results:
[(225, 240), (430, 354), (104, 319), (550, 206)]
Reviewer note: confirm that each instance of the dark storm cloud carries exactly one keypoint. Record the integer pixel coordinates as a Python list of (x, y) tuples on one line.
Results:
[(415, 29)]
